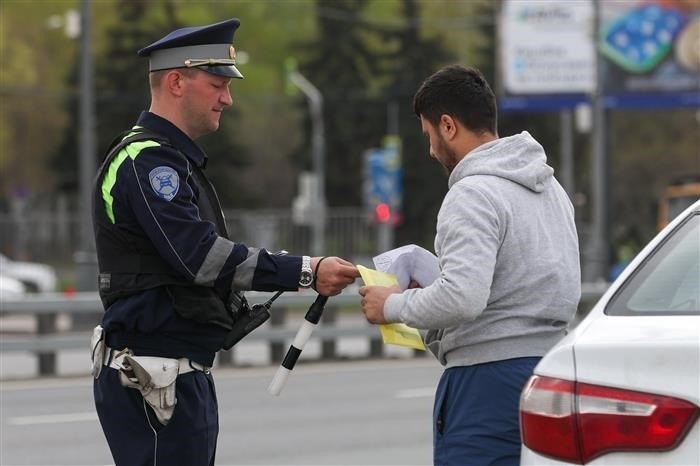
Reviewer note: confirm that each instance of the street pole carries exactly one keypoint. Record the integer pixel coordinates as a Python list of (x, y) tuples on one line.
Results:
[(597, 257), (566, 150), (86, 257), (318, 149), (385, 230)]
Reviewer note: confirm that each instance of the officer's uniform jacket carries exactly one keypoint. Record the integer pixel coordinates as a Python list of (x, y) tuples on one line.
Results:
[(148, 194)]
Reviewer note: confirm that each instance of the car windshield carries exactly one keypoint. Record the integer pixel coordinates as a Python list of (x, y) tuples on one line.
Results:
[(668, 282)]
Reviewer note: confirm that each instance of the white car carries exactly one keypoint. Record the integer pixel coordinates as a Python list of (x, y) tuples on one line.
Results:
[(35, 276), (11, 288), (623, 388)]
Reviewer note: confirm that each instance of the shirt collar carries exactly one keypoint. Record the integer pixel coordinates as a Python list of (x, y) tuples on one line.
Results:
[(176, 137)]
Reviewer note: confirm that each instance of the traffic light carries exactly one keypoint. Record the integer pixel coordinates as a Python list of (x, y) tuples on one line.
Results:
[(382, 212), (382, 182)]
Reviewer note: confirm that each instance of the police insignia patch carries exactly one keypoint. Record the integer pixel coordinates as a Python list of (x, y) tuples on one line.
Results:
[(165, 182)]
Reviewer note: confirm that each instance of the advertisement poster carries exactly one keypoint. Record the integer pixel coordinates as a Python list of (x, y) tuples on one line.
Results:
[(649, 52), (546, 47), (650, 46)]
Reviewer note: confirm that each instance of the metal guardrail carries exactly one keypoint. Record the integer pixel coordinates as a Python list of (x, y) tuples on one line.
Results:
[(48, 341), (87, 302)]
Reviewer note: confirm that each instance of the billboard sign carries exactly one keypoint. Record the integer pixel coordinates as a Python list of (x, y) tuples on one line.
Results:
[(649, 53), (546, 47), (650, 48)]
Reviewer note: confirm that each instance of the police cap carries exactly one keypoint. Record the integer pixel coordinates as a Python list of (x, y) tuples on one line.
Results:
[(205, 47)]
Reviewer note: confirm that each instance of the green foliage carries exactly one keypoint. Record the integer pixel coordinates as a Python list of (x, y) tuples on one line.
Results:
[(368, 58), (263, 122), (120, 77), (364, 56), (34, 57), (341, 64), (645, 158), (425, 182)]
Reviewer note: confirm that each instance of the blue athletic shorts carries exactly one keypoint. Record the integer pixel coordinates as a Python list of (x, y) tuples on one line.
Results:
[(475, 418)]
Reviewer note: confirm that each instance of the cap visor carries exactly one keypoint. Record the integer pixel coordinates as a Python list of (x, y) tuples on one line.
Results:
[(228, 71)]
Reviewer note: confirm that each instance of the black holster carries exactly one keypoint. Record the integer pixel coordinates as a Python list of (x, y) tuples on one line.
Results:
[(246, 320)]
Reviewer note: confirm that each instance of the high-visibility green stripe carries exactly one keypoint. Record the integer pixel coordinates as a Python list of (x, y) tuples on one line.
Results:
[(110, 179)]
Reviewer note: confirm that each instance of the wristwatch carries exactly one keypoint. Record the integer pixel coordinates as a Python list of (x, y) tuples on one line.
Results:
[(306, 278)]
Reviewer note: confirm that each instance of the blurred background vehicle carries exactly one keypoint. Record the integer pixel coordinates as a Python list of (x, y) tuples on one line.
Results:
[(10, 288), (623, 387), (34, 276)]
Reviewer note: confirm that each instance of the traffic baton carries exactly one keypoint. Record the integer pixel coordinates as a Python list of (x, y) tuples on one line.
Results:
[(307, 327)]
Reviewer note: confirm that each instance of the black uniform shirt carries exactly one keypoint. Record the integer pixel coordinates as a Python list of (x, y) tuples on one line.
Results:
[(148, 191)]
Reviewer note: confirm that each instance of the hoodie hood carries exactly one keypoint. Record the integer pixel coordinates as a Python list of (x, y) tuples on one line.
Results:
[(517, 158)]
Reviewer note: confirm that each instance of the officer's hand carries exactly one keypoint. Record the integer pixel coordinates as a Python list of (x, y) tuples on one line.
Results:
[(373, 299), (333, 275)]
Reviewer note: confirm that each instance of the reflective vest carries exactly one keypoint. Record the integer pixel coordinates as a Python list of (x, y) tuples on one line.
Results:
[(129, 264)]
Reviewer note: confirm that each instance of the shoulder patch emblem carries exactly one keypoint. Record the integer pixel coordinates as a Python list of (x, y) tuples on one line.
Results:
[(165, 182)]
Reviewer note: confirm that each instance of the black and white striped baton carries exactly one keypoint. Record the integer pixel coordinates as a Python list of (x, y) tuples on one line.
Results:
[(311, 318)]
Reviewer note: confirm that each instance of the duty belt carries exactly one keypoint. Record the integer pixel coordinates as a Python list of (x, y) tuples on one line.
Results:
[(114, 359)]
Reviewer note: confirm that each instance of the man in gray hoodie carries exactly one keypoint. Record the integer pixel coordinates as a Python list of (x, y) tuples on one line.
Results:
[(509, 280)]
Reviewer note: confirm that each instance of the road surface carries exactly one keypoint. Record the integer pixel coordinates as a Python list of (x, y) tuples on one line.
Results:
[(344, 413)]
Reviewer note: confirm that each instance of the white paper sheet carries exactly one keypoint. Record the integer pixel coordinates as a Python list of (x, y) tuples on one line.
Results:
[(409, 262)]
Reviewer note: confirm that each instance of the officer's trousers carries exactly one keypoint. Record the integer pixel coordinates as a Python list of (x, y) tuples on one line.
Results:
[(475, 417), (135, 436)]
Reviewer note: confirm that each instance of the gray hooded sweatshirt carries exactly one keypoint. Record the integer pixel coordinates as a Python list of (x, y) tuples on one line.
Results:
[(507, 247)]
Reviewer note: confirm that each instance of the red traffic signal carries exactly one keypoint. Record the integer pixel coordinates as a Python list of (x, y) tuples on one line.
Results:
[(382, 212)]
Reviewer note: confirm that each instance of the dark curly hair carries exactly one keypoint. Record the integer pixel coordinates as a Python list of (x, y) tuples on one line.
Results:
[(460, 92)]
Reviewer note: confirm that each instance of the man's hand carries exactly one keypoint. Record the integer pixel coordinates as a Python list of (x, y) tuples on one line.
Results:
[(333, 275), (373, 298)]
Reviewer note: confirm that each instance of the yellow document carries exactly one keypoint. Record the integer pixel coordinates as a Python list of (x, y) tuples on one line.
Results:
[(392, 334)]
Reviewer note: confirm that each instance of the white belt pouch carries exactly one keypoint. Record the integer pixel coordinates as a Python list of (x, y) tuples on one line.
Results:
[(155, 378)]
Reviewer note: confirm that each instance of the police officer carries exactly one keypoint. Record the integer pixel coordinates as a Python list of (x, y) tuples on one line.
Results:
[(168, 275)]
